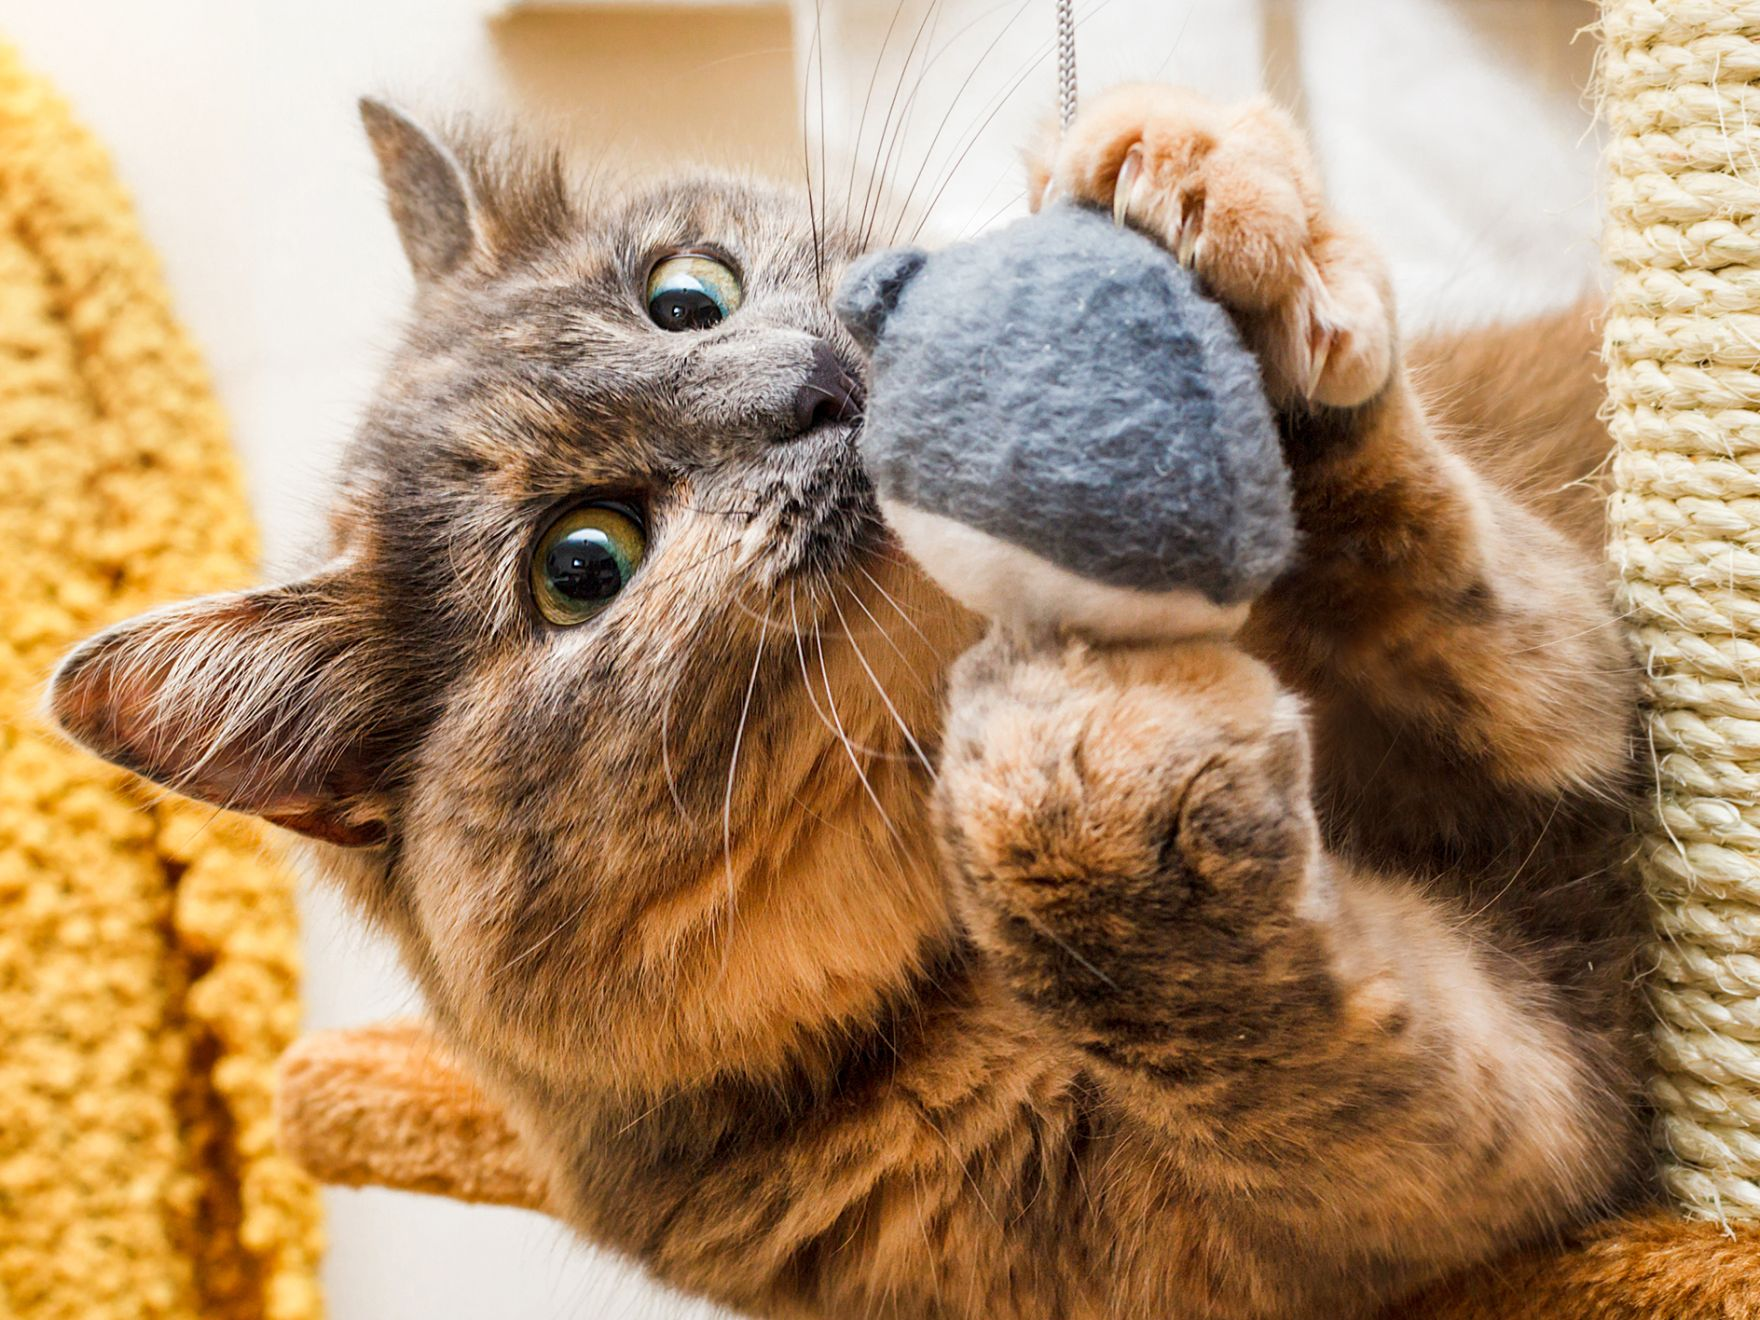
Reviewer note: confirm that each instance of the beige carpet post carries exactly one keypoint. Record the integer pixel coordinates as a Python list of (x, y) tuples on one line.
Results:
[(1681, 88)]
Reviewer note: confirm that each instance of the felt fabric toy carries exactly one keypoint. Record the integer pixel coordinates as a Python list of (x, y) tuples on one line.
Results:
[(1064, 431)]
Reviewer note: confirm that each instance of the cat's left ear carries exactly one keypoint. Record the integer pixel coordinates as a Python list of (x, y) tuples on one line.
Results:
[(428, 190), (259, 701)]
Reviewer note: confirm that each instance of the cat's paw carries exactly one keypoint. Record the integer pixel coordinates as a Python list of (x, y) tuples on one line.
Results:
[(1090, 796), (1234, 194), (1064, 761)]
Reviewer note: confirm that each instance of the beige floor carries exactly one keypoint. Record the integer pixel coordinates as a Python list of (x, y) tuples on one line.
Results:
[(1452, 128)]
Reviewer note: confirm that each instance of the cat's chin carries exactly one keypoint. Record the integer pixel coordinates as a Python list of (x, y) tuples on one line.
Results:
[(827, 525)]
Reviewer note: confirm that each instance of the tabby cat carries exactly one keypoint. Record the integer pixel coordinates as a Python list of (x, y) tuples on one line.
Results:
[(844, 958)]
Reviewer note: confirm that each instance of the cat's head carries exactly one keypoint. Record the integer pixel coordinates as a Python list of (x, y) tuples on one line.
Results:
[(610, 633)]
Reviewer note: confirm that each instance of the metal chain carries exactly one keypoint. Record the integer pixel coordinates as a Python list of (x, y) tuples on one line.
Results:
[(1066, 62)]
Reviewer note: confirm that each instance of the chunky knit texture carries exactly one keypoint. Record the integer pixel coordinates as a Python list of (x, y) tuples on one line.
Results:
[(1681, 84), (148, 962)]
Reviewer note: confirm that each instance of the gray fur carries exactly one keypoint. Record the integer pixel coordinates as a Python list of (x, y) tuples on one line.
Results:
[(425, 188), (1062, 385)]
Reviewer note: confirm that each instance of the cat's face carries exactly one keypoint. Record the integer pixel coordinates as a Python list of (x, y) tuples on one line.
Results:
[(609, 623)]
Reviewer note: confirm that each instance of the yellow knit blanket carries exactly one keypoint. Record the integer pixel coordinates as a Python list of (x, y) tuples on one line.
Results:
[(148, 964)]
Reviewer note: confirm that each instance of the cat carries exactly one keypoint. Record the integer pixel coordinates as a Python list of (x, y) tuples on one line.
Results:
[(840, 956)]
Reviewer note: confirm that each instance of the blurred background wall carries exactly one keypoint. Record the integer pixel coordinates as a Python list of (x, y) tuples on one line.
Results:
[(1455, 130)]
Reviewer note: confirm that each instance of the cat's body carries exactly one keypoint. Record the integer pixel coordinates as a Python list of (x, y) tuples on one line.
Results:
[(1125, 1011)]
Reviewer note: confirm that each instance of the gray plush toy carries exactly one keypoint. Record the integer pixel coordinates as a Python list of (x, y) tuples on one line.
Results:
[(1064, 431)]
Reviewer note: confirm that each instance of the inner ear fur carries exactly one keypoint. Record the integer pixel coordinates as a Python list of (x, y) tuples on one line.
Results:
[(254, 701)]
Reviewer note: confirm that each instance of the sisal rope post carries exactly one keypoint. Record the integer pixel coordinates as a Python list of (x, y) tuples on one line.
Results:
[(1681, 97)]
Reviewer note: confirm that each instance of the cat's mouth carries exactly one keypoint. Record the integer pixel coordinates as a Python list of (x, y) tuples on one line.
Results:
[(826, 519)]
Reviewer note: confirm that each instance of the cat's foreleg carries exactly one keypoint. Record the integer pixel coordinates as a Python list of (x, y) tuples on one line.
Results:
[(1436, 627), (1328, 1054)]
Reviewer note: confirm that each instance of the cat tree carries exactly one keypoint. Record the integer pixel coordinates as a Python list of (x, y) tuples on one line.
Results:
[(1681, 88)]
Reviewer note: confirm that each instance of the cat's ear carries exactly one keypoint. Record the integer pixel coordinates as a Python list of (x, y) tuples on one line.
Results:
[(427, 188), (250, 701), (871, 288)]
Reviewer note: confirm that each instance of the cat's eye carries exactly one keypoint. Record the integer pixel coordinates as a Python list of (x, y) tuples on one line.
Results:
[(584, 559), (692, 292)]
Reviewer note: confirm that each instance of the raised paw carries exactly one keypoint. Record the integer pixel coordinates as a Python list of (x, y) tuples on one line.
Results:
[(1234, 194), (1064, 760), (1095, 801)]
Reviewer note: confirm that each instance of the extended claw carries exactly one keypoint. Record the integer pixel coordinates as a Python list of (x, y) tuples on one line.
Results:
[(1320, 341), (1319, 327), (1124, 191), (1190, 235)]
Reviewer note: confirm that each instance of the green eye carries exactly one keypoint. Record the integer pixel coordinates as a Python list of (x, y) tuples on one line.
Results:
[(692, 292), (583, 560)]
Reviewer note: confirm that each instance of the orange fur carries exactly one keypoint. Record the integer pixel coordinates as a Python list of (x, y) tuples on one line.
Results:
[(386, 1106)]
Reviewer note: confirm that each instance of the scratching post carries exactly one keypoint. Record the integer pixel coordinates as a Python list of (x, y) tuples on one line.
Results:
[(1681, 85)]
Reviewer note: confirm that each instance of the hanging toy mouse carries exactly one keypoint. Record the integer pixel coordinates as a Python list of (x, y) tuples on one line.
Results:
[(1064, 431)]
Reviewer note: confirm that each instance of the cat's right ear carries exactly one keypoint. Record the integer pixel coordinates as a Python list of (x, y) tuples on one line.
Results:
[(259, 701), (427, 188), (871, 288)]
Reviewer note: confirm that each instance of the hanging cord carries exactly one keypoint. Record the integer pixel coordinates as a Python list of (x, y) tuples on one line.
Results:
[(1066, 63)]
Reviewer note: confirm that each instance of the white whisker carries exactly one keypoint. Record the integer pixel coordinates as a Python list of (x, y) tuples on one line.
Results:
[(849, 747), (929, 151), (886, 636), (813, 699), (888, 597), (739, 734), (880, 689)]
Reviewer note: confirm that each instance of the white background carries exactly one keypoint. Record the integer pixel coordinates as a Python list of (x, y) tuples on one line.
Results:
[(1454, 129)]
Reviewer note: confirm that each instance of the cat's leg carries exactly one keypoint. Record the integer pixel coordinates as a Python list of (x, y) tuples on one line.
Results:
[(390, 1106), (1459, 654), (1340, 1068)]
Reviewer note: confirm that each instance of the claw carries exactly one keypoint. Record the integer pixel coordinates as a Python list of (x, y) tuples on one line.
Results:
[(1190, 235), (1319, 327), (1124, 191), (1320, 341)]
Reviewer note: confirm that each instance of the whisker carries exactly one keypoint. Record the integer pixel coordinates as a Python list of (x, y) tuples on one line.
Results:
[(890, 600), (958, 96), (908, 113), (824, 182), (880, 690), (886, 636), (855, 151), (875, 187), (653, 582), (968, 229), (931, 59), (739, 734), (972, 138), (807, 163), (756, 616), (848, 747), (813, 699)]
